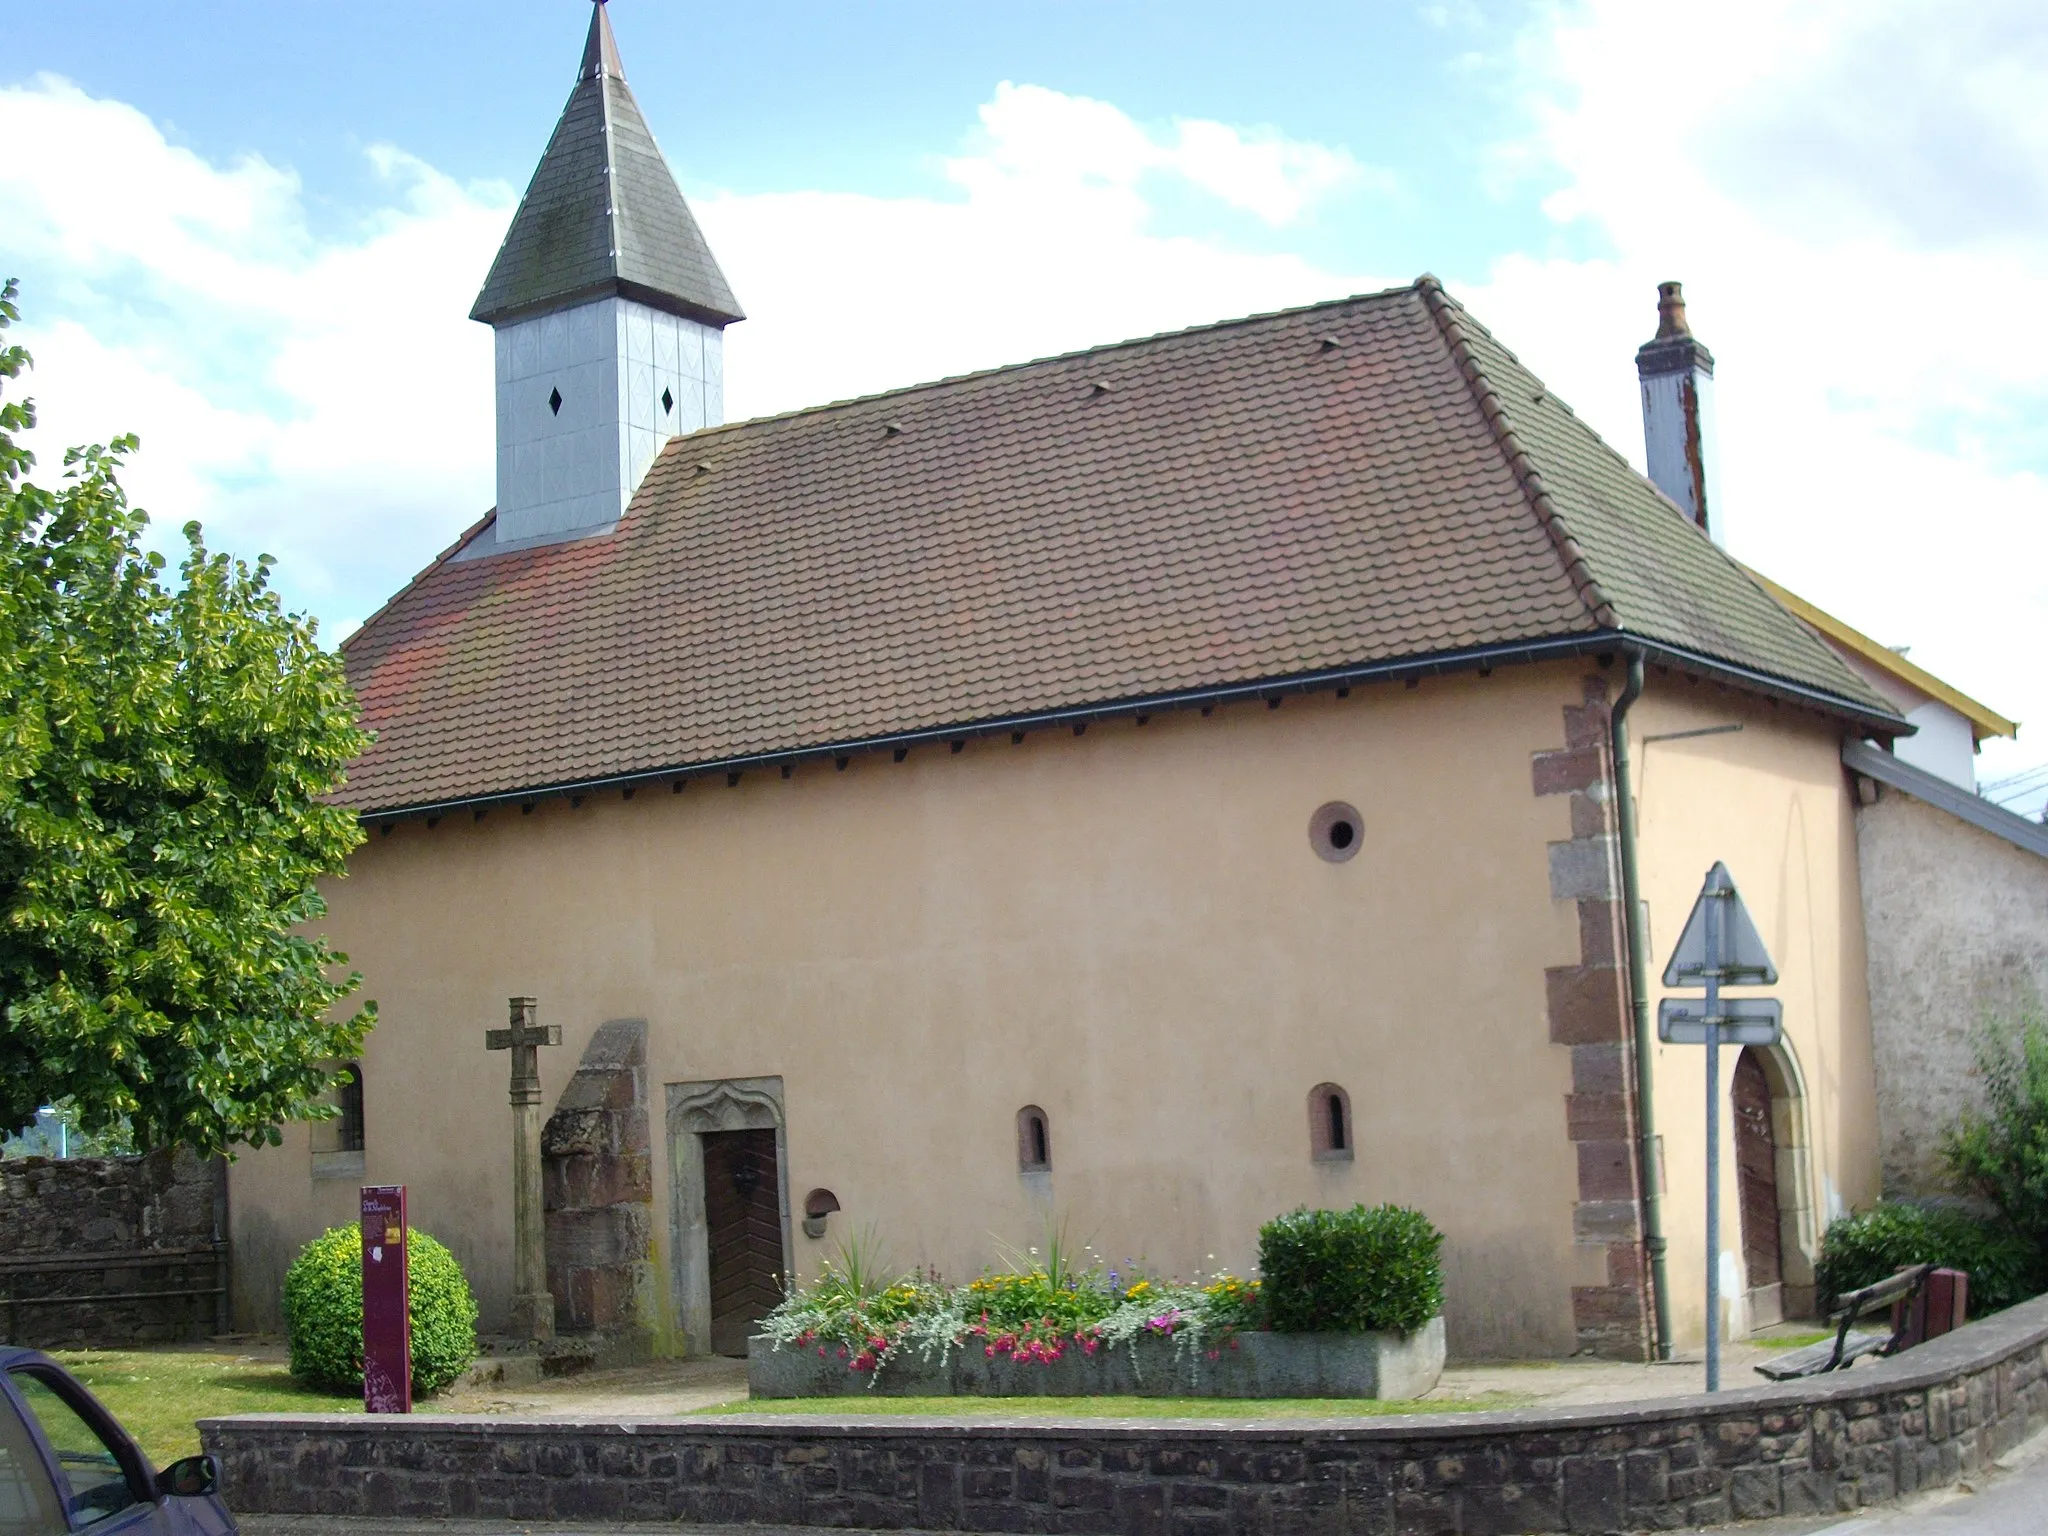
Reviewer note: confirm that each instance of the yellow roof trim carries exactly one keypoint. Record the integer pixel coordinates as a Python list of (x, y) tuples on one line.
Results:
[(1983, 721)]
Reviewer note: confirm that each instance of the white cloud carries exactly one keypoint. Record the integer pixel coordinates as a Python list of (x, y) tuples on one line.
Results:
[(323, 400), (1049, 245), (1856, 197), (1882, 328), (327, 400)]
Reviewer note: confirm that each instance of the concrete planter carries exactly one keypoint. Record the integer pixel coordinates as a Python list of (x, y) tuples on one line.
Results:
[(1387, 1365)]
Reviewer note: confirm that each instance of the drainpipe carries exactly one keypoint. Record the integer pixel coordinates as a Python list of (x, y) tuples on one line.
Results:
[(1639, 1003)]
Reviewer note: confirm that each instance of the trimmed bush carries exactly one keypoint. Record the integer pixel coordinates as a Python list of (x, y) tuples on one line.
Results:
[(323, 1311), (1864, 1248), (1365, 1270)]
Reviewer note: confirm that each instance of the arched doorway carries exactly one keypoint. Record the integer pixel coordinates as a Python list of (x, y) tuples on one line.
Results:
[(1774, 1180), (1756, 1180)]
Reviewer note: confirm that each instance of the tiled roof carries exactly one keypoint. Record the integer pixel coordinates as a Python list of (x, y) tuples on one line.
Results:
[(1276, 498), (603, 213)]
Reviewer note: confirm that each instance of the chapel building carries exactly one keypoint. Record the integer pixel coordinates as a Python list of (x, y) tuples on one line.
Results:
[(1147, 789)]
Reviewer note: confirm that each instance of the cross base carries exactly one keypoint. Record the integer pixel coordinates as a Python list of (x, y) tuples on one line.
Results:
[(533, 1317)]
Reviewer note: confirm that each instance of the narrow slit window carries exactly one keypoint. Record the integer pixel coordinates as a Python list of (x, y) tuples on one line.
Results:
[(349, 1095), (1034, 1141), (1330, 1132)]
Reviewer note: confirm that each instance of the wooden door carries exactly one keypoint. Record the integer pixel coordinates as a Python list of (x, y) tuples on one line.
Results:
[(743, 1218), (1756, 1174)]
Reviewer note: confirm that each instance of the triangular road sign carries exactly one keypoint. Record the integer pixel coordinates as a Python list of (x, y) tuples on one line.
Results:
[(1744, 961)]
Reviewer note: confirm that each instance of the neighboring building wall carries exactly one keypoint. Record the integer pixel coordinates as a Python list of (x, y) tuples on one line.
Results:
[(1958, 932), (1942, 742), (1129, 929), (141, 1233), (1771, 801)]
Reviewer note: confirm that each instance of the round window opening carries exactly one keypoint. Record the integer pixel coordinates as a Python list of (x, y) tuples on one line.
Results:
[(1335, 831)]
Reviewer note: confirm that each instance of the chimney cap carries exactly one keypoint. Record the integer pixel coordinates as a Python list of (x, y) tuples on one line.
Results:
[(1671, 311), (1674, 348)]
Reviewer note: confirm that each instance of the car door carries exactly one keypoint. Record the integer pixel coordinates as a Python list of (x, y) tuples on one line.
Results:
[(102, 1482), (29, 1503)]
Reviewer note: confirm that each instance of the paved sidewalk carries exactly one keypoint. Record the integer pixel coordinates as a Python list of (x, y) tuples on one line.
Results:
[(669, 1387)]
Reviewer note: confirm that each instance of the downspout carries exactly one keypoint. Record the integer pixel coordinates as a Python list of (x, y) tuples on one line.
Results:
[(1639, 1003)]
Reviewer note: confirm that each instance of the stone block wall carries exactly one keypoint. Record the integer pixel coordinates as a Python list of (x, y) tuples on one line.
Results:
[(597, 1183), (1860, 1438), (1953, 928), (1588, 1008), (106, 1251)]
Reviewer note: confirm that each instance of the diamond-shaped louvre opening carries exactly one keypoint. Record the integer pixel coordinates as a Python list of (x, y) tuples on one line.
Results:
[(668, 402), (555, 401)]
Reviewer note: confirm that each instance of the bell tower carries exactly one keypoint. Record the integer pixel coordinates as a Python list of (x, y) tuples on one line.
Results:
[(610, 313)]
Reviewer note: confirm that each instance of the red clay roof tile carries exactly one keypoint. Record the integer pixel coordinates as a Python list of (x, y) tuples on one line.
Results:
[(1242, 504)]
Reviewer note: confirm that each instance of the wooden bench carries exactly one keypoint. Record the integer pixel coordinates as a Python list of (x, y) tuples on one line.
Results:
[(1850, 1346)]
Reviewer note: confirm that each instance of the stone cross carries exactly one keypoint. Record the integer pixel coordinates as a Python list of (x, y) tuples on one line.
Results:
[(533, 1307)]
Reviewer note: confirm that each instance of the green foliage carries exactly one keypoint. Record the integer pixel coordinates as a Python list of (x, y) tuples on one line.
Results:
[(323, 1311), (1049, 1301), (1358, 1271), (164, 754), (2002, 1154), (1866, 1247)]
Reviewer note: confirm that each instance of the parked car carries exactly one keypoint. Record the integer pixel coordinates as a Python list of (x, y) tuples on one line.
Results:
[(66, 1465)]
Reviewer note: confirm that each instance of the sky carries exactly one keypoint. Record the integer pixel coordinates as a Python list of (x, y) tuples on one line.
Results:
[(252, 234)]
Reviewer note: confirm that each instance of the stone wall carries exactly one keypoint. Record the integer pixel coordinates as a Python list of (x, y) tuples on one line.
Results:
[(1838, 1443), (597, 1182), (1955, 926), (105, 1251)]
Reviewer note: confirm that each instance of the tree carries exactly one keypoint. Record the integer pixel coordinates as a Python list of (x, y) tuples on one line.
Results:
[(164, 758)]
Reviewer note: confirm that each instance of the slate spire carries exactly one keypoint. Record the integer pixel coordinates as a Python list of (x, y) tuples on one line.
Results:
[(603, 214), (600, 48)]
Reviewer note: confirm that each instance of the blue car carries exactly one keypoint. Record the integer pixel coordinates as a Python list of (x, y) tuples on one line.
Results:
[(66, 1465)]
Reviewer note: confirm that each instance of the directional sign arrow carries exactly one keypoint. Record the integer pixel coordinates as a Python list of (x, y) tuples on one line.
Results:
[(1742, 1020), (1744, 960)]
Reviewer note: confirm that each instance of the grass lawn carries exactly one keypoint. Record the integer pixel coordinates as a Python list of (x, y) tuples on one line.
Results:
[(1121, 1407), (159, 1395), (1793, 1340)]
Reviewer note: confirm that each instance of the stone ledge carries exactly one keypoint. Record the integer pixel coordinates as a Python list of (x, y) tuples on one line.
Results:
[(1862, 1438)]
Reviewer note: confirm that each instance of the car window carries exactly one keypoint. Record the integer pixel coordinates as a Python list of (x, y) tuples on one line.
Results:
[(28, 1500), (95, 1484)]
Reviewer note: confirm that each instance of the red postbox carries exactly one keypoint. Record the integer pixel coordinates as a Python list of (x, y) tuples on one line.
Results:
[(387, 1323)]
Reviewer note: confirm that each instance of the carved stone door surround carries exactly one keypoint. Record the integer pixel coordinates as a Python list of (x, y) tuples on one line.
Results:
[(695, 1109)]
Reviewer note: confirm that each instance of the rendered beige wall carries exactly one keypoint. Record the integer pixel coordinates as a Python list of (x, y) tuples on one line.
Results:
[(1958, 933), (1128, 928), (1773, 803)]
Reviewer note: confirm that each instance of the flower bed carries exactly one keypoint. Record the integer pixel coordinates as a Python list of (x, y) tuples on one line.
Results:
[(1053, 1327)]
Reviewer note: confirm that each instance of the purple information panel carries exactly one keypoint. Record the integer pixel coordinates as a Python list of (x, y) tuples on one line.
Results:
[(387, 1329)]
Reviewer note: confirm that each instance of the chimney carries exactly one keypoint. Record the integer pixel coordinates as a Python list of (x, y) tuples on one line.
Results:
[(1677, 375)]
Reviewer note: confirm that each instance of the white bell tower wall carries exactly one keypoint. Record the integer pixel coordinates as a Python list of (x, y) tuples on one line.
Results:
[(586, 397)]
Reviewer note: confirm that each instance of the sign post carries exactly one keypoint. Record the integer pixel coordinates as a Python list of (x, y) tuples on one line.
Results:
[(1719, 947), (387, 1324)]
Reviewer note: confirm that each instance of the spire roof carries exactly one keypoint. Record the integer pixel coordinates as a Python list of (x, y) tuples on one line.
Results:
[(603, 213)]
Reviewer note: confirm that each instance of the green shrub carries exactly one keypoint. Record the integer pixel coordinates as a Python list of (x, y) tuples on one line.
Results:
[(1864, 1248), (323, 1311), (2002, 1154), (1355, 1271)]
